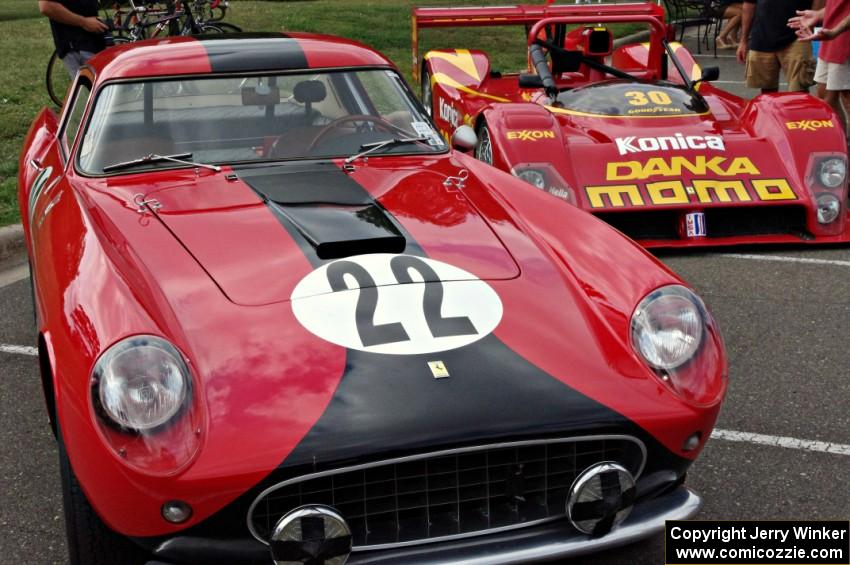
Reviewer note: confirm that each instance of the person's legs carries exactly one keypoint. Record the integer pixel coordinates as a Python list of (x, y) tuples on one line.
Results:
[(762, 71), (798, 66), (73, 60), (837, 88), (732, 14)]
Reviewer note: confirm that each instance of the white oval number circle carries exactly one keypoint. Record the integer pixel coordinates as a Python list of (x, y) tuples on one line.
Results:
[(396, 304)]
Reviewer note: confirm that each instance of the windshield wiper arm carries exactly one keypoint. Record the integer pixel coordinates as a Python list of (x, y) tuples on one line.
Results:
[(368, 148), (154, 158)]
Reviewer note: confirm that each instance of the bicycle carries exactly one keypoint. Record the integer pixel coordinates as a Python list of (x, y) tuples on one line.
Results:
[(147, 21)]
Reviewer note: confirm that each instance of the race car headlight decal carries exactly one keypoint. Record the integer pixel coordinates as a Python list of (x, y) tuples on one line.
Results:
[(142, 382), (832, 172), (829, 207), (674, 334), (143, 402), (545, 177), (534, 178)]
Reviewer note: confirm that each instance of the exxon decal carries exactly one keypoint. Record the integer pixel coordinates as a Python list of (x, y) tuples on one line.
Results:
[(633, 144)]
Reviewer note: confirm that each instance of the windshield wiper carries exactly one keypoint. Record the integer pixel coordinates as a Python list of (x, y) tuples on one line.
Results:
[(154, 158), (368, 148)]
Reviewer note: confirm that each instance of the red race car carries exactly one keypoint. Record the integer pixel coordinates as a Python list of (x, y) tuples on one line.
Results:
[(281, 320), (637, 135)]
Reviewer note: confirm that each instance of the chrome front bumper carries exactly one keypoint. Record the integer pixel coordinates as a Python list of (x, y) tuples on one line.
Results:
[(551, 541), (554, 540)]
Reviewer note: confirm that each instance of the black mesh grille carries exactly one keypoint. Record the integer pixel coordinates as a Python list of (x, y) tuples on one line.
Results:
[(445, 495), (720, 222)]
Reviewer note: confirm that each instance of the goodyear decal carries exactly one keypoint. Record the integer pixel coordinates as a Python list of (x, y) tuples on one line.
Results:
[(530, 134), (809, 125), (722, 180)]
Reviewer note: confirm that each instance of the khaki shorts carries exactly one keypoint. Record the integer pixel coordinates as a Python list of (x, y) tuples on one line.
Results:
[(795, 61), (836, 76)]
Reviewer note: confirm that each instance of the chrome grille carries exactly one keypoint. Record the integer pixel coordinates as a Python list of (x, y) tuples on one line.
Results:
[(438, 496)]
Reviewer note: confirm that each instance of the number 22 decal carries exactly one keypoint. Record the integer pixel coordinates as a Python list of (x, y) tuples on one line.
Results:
[(432, 301), (396, 304)]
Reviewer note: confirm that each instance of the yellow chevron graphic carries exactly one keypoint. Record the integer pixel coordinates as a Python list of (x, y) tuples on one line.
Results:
[(461, 58)]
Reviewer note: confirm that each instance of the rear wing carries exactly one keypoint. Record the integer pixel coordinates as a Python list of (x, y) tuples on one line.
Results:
[(525, 15)]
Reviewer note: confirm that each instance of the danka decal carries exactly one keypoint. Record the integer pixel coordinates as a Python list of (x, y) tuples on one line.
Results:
[(396, 304), (677, 141), (675, 166), (530, 134), (809, 125)]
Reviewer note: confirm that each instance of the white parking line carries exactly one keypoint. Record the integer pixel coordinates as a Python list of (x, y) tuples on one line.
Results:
[(18, 349), (14, 275), (782, 441), (783, 259)]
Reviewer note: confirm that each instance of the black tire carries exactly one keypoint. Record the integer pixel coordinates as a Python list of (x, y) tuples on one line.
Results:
[(57, 80), (427, 92), (228, 28), (484, 149), (90, 541)]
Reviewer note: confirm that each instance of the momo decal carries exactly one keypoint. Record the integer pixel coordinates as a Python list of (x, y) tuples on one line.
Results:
[(448, 113), (677, 141), (396, 304)]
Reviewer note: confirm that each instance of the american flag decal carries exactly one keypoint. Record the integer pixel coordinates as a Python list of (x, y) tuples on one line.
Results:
[(695, 223)]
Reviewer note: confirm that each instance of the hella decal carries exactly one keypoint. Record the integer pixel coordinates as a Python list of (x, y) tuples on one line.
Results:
[(809, 125), (633, 144), (530, 134), (449, 113), (396, 304)]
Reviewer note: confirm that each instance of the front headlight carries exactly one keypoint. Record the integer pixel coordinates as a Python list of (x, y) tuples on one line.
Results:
[(832, 171), (545, 177), (675, 335), (828, 207), (667, 327), (141, 383), (533, 177)]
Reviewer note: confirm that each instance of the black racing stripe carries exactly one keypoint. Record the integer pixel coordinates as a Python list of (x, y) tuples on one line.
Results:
[(391, 405), (393, 402), (326, 212), (259, 52)]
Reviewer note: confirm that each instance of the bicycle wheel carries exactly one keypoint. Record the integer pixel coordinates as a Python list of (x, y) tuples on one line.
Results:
[(228, 28), (210, 29), (57, 80)]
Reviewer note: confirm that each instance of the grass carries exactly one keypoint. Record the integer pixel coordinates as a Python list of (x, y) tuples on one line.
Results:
[(26, 44)]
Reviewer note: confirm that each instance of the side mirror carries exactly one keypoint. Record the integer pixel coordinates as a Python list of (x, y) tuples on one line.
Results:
[(709, 74), (464, 138)]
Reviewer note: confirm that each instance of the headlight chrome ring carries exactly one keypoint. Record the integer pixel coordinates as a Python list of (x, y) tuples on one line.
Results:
[(141, 383)]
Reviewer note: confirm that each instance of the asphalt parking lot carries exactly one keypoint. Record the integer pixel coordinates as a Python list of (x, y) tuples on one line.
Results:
[(781, 451)]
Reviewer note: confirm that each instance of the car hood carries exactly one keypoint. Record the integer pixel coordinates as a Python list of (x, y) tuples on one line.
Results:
[(240, 225)]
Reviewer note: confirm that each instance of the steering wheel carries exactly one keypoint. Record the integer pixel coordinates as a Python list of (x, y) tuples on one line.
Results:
[(339, 122)]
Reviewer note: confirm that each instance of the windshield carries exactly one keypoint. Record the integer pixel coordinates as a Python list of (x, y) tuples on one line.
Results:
[(248, 119)]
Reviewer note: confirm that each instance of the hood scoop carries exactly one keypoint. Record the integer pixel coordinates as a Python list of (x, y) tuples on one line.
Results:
[(331, 211), (343, 231)]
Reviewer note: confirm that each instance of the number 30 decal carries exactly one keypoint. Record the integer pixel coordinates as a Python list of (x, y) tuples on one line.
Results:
[(396, 304)]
